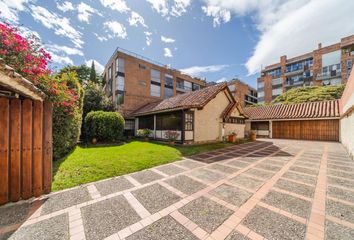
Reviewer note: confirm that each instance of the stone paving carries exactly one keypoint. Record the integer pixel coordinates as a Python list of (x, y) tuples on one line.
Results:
[(268, 189)]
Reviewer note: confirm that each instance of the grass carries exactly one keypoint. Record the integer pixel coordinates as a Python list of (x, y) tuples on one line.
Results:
[(88, 164)]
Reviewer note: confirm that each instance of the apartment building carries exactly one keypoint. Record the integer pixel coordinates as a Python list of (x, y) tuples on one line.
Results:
[(242, 92), (329, 65), (133, 81)]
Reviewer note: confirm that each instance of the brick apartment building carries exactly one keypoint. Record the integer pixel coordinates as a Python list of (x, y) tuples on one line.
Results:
[(328, 65), (133, 81), (243, 93)]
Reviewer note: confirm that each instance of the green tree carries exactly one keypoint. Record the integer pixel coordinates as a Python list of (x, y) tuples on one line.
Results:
[(83, 72), (93, 75)]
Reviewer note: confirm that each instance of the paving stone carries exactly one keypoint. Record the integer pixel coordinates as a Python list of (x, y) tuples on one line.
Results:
[(340, 182), (238, 163), (113, 185), (340, 193), (298, 188), (185, 184), (275, 162), (247, 182), (55, 228), (335, 231), (206, 175), (268, 167), (260, 173), (249, 159), (155, 197), (170, 169), (304, 170), (341, 174), (339, 167), (106, 217), (146, 176), (189, 164), (231, 194), (207, 214), (65, 199), (274, 226), (165, 228), (340, 210), (234, 235), (300, 177), (342, 164), (294, 205), (223, 168), (12, 214), (305, 164)]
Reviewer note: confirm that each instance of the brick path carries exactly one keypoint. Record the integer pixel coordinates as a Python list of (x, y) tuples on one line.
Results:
[(277, 189)]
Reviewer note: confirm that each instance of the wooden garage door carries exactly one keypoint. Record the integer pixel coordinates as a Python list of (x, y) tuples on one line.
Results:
[(323, 130)]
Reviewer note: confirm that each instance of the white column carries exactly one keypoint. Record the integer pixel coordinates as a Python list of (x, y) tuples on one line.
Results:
[(270, 129)]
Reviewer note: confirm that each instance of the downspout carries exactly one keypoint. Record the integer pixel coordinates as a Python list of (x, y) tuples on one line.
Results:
[(154, 126), (182, 127)]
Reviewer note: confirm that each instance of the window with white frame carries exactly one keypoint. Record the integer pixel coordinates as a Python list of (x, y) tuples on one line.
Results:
[(277, 91)]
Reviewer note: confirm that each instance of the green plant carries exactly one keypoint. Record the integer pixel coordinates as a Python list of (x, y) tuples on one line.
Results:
[(144, 132), (104, 126)]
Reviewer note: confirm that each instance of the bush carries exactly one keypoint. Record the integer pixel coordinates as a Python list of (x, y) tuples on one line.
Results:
[(67, 117), (104, 126), (143, 132)]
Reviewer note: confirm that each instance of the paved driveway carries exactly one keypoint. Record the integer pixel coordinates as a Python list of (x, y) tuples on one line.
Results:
[(275, 189)]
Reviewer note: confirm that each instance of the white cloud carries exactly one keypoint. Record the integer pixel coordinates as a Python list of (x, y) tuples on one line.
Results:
[(9, 9), (291, 27), (197, 70), (177, 8), (167, 52), (63, 60), (64, 49), (98, 66), (219, 15), (118, 5), (60, 25), (65, 6), (167, 40), (223, 79), (148, 38), (136, 19), (101, 38), (117, 29), (85, 11)]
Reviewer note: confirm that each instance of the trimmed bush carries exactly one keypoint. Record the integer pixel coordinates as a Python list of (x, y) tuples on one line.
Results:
[(104, 126)]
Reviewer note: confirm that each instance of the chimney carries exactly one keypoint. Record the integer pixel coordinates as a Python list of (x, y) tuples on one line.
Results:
[(319, 45)]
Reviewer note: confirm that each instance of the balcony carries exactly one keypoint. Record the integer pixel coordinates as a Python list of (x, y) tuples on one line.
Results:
[(182, 88), (329, 75)]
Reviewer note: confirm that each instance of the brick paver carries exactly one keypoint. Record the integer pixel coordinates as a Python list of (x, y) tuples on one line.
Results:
[(269, 189)]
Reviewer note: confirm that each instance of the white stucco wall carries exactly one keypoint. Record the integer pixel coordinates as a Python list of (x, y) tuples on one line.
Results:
[(347, 132)]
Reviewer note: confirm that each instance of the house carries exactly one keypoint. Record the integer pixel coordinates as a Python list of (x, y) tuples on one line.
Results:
[(305, 121), (205, 115)]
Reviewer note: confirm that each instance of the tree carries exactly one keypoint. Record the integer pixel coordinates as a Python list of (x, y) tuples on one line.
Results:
[(93, 75), (83, 72), (310, 94)]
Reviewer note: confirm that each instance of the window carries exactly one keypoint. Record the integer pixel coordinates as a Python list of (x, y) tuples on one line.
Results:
[(188, 121), (277, 91), (129, 125), (260, 94), (141, 66), (146, 122), (109, 73), (277, 81), (187, 86), (168, 86), (349, 65), (179, 83), (195, 87), (275, 72), (235, 120), (155, 86), (120, 83), (120, 65), (260, 85), (171, 121), (119, 97)]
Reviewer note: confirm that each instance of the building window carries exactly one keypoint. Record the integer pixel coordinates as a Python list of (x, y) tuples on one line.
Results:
[(235, 120), (260, 94), (349, 66), (170, 121), (129, 125), (179, 83), (155, 86), (187, 86), (168, 86), (277, 81), (260, 85), (120, 65), (277, 91), (120, 83), (275, 72), (141, 66), (109, 73), (146, 122), (188, 121), (195, 87), (119, 97)]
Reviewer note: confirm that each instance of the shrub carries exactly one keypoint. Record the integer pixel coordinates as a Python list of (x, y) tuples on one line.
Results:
[(171, 135), (104, 126), (143, 132)]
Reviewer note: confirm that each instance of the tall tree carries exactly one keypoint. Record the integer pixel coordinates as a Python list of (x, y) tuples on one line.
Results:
[(93, 75), (82, 71)]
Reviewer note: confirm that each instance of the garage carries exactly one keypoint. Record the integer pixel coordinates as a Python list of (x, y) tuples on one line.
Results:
[(304, 121), (320, 130)]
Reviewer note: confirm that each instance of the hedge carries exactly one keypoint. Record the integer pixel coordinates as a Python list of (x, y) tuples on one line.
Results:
[(104, 126)]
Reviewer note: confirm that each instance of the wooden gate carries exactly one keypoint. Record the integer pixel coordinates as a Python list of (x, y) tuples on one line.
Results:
[(321, 130), (25, 149)]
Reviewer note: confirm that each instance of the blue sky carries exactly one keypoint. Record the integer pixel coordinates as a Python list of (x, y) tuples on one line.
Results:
[(215, 39)]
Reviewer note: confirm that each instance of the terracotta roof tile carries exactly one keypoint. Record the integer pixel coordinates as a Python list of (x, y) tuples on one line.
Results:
[(324, 109), (193, 99)]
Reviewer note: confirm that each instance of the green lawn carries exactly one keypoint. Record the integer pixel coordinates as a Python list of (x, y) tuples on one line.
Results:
[(88, 164)]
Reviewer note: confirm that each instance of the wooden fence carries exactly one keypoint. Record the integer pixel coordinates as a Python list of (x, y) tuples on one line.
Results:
[(25, 149)]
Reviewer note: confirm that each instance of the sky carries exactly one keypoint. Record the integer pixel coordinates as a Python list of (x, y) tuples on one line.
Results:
[(213, 39)]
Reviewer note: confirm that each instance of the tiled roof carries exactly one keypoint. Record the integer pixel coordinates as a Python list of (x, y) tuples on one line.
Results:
[(195, 99), (16, 83), (324, 109)]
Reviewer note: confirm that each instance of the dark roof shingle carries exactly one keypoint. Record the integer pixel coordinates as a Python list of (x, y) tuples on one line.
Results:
[(323, 109), (193, 99)]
